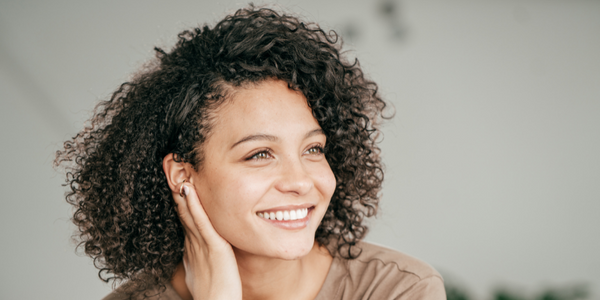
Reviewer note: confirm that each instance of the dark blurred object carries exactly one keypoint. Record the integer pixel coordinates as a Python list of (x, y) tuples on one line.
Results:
[(389, 10), (507, 295), (350, 31), (571, 292), (454, 292)]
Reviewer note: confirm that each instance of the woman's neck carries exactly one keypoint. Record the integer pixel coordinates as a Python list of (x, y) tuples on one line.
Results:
[(269, 278)]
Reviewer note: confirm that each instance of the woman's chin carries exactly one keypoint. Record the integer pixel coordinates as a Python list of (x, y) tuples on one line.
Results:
[(286, 250), (295, 252)]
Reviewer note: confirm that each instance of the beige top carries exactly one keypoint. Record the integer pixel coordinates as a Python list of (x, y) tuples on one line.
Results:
[(378, 273)]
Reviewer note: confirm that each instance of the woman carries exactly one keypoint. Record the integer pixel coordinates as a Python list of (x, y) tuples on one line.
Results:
[(241, 164)]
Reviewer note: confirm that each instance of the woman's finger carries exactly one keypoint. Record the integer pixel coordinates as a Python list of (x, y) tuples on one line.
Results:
[(208, 259), (185, 216), (200, 219)]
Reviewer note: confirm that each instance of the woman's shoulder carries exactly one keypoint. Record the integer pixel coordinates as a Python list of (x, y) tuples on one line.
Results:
[(381, 258), (382, 273), (154, 293)]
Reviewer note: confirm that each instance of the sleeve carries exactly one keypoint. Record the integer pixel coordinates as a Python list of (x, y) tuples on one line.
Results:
[(429, 288)]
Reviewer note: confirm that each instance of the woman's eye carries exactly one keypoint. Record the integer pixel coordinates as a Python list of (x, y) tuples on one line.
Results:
[(260, 155), (315, 150)]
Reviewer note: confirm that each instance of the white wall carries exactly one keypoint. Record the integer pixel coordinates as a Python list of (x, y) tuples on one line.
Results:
[(493, 172)]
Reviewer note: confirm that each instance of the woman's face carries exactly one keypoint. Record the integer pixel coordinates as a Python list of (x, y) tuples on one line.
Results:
[(264, 182)]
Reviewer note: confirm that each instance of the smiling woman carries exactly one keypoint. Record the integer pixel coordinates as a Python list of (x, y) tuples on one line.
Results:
[(240, 165), (264, 156)]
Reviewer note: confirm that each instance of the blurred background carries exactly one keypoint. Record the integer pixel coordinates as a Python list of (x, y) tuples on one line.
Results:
[(493, 165)]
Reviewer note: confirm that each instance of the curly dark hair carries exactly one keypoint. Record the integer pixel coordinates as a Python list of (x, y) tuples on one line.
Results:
[(124, 208)]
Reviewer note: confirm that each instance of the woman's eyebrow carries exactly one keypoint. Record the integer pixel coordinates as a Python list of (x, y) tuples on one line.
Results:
[(314, 132), (273, 138), (254, 137)]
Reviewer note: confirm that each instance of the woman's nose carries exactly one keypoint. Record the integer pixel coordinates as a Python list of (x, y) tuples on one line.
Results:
[(294, 178)]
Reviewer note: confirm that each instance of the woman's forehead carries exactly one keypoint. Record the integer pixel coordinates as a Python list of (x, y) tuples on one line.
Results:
[(270, 108), (265, 98)]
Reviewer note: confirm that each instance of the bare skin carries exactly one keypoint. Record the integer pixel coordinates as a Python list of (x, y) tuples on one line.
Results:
[(259, 277), (231, 251)]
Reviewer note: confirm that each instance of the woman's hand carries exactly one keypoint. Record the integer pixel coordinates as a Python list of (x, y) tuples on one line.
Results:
[(211, 270)]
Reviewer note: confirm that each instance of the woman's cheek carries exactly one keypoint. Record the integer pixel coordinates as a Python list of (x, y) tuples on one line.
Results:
[(326, 181), (245, 191)]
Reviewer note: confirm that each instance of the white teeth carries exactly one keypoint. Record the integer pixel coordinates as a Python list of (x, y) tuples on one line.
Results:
[(285, 215)]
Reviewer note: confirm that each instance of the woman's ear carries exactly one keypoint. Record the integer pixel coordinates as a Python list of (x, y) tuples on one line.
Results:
[(175, 171)]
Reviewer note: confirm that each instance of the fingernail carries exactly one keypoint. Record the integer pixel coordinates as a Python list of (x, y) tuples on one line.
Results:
[(186, 190)]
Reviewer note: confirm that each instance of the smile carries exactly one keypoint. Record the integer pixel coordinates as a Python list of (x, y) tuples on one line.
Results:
[(284, 215)]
